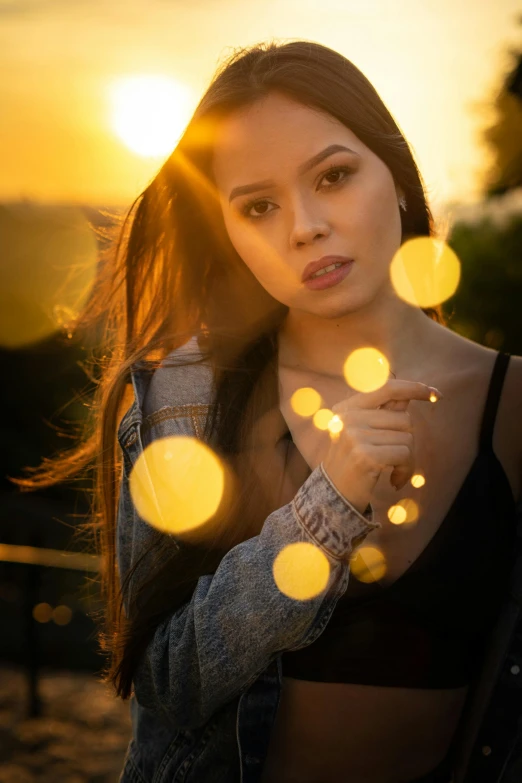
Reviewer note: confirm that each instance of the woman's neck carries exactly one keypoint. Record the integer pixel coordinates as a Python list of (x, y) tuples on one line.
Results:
[(407, 337)]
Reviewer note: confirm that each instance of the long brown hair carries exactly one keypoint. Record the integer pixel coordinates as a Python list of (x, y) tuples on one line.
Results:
[(171, 272)]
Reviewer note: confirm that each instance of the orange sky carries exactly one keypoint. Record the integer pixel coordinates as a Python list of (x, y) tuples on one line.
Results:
[(435, 64)]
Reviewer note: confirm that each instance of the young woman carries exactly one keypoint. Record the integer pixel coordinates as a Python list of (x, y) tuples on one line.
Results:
[(291, 163)]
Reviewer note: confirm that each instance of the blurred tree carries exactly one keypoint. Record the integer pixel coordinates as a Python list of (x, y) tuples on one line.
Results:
[(486, 306), (504, 136)]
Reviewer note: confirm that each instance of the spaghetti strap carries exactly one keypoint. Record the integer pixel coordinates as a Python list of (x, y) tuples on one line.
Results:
[(494, 392)]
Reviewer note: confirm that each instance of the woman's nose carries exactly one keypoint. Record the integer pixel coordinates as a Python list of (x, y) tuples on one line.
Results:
[(307, 227), (310, 236)]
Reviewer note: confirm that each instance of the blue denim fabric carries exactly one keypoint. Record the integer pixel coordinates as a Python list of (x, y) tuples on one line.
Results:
[(207, 689)]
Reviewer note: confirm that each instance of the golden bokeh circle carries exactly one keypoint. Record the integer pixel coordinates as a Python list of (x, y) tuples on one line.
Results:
[(425, 271), (177, 483), (301, 571), (322, 418), (42, 612), (405, 511), (48, 269), (366, 369), (62, 614), (368, 564), (335, 424), (305, 401)]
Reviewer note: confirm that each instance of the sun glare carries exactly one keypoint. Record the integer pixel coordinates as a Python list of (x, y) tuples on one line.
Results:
[(149, 113)]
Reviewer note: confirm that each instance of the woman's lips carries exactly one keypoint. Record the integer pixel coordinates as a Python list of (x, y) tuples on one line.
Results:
[(330, 278), (315, 266)]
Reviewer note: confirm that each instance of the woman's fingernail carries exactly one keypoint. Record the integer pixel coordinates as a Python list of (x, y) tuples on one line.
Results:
[(435, 394)]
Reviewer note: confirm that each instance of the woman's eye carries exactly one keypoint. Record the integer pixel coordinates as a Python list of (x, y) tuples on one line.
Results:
[(251, 204), (335, 172)]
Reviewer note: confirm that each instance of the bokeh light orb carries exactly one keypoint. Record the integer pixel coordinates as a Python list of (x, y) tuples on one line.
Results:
[(405, 511), (397, 515), (425, 271), (368, 564), (62, 615), (323, 418), (335, 425), (366, 369), (301, 571), (177, 484), (49, 260), (305, 401), (42, 612)]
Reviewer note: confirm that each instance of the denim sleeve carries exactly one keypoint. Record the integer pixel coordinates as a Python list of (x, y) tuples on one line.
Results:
[(237, 621)]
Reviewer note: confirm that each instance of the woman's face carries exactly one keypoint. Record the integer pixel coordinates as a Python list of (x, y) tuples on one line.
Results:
[(345, 205)]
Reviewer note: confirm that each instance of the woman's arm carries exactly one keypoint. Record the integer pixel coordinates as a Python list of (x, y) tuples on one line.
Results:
[(237, 619)]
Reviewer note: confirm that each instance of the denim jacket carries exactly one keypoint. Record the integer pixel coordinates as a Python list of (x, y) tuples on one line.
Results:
[(207, 689)]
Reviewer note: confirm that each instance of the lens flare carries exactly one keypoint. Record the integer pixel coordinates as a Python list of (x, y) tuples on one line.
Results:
[(167, 481), (305, 401), (42, 612), (405, 511), (149, 112), (366, 369), (49, 261), (397, 515), (368, 564), (425, 271), (62, 615), (335, 425), (322, 418), (301, 571)]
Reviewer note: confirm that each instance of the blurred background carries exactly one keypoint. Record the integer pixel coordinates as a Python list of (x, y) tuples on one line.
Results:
[(94, 96)]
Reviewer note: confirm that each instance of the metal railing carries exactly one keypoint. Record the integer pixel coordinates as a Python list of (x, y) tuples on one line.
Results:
[(40, 557)]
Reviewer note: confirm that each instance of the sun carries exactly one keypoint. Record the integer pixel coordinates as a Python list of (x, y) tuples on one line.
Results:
[(149, 112)]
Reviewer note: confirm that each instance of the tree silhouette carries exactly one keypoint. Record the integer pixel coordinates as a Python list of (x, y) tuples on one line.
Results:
[(504, 137)]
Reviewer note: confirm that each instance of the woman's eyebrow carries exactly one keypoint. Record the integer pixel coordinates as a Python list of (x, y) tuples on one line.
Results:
[(303, 168)]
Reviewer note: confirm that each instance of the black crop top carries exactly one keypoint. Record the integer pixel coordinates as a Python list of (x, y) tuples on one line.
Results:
[(428, 629)]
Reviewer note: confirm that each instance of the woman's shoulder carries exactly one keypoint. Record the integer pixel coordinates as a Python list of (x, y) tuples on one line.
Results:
[(184, 378), (508, 419), (510, 410)]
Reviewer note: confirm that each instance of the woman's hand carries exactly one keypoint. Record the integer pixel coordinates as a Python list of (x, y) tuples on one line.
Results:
[(377, 434)]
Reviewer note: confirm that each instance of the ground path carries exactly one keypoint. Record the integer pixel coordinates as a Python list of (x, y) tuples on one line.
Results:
[(81, 736)]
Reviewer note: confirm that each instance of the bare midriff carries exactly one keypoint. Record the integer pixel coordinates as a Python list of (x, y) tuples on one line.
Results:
[(329, 732)]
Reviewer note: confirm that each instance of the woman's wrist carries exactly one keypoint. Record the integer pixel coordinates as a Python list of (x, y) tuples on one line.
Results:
[(358, 498)]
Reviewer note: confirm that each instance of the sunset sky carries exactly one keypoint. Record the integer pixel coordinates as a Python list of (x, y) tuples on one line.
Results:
[(67, 69)]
